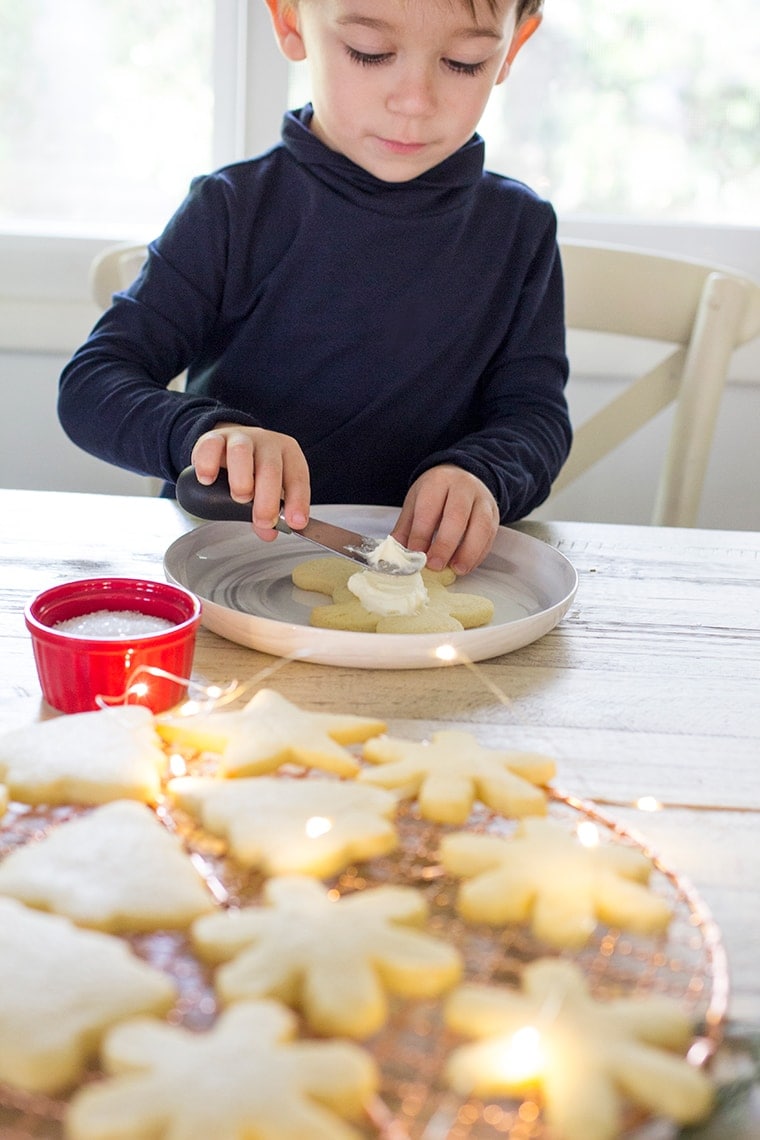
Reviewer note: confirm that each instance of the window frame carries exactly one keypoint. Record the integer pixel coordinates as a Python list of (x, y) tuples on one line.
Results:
[(45, 305)]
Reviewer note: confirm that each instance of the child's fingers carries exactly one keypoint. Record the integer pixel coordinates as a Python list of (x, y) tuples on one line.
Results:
[(476, 543), (452, 515), (280, 473), (207, 456)]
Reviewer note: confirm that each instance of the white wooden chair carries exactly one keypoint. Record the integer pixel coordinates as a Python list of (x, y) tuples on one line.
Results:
[(701, 314), (113, 269)]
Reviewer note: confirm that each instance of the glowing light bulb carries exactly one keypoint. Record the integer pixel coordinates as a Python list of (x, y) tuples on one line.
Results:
[(648, 803), (588, 833), (177, 765), (189, 708), (446, 653), (522, 1059), (318, 825)]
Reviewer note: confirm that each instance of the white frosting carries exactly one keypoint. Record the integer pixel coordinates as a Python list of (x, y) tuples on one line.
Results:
[(396, 556), (388, 594)]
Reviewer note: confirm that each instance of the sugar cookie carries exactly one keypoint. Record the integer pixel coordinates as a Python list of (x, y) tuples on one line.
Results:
[(271, 731), (545, 876), (449, 772), (332, 958), (85, 758), (63, 987), (117, 869), (447, 611), (314, 827), (588, 1055), (247, 1076)]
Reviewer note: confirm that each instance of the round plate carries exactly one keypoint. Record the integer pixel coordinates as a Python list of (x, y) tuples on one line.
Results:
[(248, 596)]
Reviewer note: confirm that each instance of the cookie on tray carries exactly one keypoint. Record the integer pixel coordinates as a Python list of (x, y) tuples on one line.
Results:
[(117, 869), (271, 731), (63, 988), (448, 773), (332, 958), (292, 826), (546, 877), (587, 1056), (85, 758), (246, 1076)]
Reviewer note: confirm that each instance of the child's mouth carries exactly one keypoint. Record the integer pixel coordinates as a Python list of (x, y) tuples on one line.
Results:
[(398, 147)]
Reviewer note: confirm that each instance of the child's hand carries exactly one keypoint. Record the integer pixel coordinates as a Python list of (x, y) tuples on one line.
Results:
[(263, 466), (455, 507)]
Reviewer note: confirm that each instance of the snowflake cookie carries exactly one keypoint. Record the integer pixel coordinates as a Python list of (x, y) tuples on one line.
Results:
[(247, 1076), (302, 826), (452, 770), (446, 611), (85, 758), (271, 731), (116, 869), (64, 987), (331, 957), (546, 876), (586, 1056)]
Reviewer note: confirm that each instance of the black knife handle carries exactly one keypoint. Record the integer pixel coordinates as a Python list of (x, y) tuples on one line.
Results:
[(210, 501)]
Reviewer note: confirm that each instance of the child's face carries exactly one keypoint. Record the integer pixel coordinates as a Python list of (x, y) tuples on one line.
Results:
[(399, 85)]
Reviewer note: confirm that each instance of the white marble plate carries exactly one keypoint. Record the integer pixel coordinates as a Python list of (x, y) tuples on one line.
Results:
[(248, 596)]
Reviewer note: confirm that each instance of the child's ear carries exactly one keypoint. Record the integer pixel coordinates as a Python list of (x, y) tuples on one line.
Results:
[(523, 32), (285, 24)]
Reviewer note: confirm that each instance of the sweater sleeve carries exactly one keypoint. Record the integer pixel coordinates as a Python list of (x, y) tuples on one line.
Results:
[(114, 401), (524, 435)]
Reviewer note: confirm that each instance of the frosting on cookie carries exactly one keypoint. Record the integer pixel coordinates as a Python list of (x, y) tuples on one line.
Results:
[(389, 594)]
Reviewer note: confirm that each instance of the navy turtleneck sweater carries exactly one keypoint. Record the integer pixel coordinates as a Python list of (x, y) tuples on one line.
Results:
[(388, 327)]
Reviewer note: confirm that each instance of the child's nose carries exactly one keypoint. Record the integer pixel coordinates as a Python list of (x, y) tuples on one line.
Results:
[(413, 92)]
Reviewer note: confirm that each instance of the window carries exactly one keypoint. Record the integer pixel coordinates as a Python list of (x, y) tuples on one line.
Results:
[(633, 109), (636, 109), (106, 111), (640, 121)]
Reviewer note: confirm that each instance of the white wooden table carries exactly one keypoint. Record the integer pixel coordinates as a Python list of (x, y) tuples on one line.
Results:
[(650, 686)]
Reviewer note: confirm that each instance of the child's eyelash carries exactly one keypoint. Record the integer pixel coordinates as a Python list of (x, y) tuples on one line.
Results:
[(368, 59), (460, 68), (365, 58)]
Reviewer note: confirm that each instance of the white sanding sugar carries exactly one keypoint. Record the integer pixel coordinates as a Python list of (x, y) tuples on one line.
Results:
[(110, 624)]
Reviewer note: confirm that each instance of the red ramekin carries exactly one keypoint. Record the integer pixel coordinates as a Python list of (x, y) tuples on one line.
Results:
[(74, 670)]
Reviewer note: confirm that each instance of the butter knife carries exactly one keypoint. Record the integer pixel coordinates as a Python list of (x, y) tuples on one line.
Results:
[(213, 501)]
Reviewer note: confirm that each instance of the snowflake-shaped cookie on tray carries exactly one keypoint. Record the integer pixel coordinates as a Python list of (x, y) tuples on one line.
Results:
[(246, 1076), (545, 876), (586, 1056), (286, 826), (332, 957), (271, 731), (452, 770)]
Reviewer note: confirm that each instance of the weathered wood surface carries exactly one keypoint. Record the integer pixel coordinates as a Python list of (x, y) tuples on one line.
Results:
[(650, 686)]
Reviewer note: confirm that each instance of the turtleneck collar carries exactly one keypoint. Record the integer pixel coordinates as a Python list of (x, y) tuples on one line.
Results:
[(438, 190)]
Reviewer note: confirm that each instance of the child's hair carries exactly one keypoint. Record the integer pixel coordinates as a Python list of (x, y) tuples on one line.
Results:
[(528, 8), (524, 7)]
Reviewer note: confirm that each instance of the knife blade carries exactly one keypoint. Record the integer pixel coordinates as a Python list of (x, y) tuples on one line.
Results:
[(213, 501)]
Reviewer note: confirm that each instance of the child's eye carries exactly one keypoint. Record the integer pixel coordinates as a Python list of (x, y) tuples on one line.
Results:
[(367, 59), (460, 68)]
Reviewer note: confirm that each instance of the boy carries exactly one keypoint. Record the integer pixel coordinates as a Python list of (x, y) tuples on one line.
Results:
[(364, 315)]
